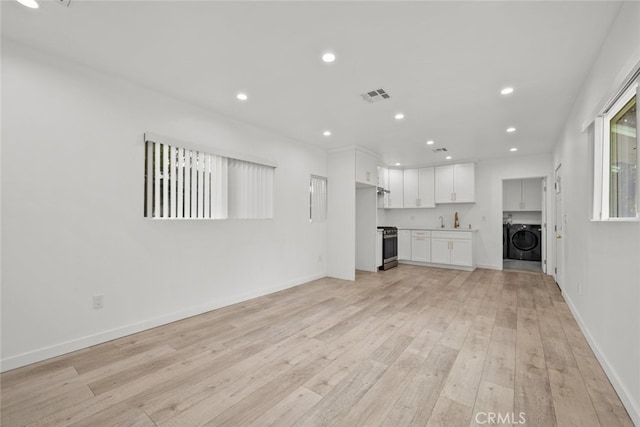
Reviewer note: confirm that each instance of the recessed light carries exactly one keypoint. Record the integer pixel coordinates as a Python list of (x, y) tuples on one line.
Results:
[(448, 158), (242, 96), (399, 116), (31, 4), (430, 142), (506, 90), (327, 133), (329, 57), (513, 149), (511, 129), (397, 164)]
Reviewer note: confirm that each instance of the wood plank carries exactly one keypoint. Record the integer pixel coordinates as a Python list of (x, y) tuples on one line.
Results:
[(289, 410), (380, 398), (604, 398), (499, 366), (494, 405), (449, 413), (416, 402), (531, 384), (570, 399), (338, 402)]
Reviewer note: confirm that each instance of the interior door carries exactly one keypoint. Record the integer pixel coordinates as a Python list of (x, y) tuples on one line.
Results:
[(559, 229)]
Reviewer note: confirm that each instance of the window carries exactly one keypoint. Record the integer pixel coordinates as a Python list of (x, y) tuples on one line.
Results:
[(616, 159), (182, 183), (318, 199), (623, 162)]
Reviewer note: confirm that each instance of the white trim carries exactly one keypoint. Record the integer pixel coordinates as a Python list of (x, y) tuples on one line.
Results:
[(602, 154), (153, 137), (612, 375), (55, 350), (490, 267), (436, 265)]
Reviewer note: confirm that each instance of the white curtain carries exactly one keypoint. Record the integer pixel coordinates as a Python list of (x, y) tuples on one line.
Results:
[(250, 190), (318, 189)]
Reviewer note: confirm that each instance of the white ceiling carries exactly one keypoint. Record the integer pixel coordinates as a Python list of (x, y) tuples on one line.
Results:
[(443, 63)]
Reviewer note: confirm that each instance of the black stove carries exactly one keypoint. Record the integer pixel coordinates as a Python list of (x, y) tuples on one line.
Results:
[(389, 247)]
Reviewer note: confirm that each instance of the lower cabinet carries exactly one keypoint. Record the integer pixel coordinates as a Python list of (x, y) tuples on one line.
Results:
[(420, 246), (404, 245), (452, 247)]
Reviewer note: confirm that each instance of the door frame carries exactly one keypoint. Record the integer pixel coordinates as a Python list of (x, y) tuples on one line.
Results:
[(558, 227), (544, 218)]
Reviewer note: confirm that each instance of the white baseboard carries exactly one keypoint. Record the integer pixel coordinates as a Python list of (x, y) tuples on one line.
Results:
[(55, 350), (631, 406), (430, 264), (489, 267)]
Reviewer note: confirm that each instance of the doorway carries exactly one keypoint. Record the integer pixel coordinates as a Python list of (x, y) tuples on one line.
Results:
[(524, 224), (559, 228)]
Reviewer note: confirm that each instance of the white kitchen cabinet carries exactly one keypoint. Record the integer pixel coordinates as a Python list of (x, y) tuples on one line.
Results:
[(462, 252), (366, 168), (440, 252), (420, 245), (383, 177), (419, 189), (404, 245), (452, 248), (522, 195), (455, 183), (396, 188), (512, 195), (532, 194)]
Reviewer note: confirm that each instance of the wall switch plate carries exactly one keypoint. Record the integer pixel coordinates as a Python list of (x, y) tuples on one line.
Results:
[(98, 302)]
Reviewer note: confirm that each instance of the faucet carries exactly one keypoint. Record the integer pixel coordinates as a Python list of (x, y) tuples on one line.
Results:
[(441, 221)]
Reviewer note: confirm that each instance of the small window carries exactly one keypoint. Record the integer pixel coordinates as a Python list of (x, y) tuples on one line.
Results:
[(318, 199), (616, 159)]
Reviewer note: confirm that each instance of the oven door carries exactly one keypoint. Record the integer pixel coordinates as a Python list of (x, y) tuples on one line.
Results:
[(390, 248)]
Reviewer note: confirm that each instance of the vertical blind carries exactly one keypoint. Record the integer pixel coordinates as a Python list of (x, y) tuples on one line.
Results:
[(250, 190), (318, 199), (191, 184)]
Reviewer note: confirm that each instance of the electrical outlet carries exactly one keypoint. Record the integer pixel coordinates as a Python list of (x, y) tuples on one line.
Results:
[(98, 302)]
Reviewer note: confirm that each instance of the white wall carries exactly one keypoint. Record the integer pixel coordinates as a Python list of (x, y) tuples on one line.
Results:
[(366, 229), (341, 246), (72, 218), (602, 267), (486, 214)]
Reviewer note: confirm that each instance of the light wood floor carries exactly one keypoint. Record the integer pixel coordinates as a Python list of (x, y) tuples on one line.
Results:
[(409, 346)]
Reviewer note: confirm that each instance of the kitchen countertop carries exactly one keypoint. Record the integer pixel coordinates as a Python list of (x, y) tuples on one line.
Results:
[(437, 228)]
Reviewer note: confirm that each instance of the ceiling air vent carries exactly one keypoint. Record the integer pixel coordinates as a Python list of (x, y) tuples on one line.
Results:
[(439, 150), (375, 96)]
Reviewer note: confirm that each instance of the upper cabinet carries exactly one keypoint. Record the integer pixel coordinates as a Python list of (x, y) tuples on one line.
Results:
[(522, 195), (383, 177), (419, 188), (366, 168), (396, 188), (455, 183)]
